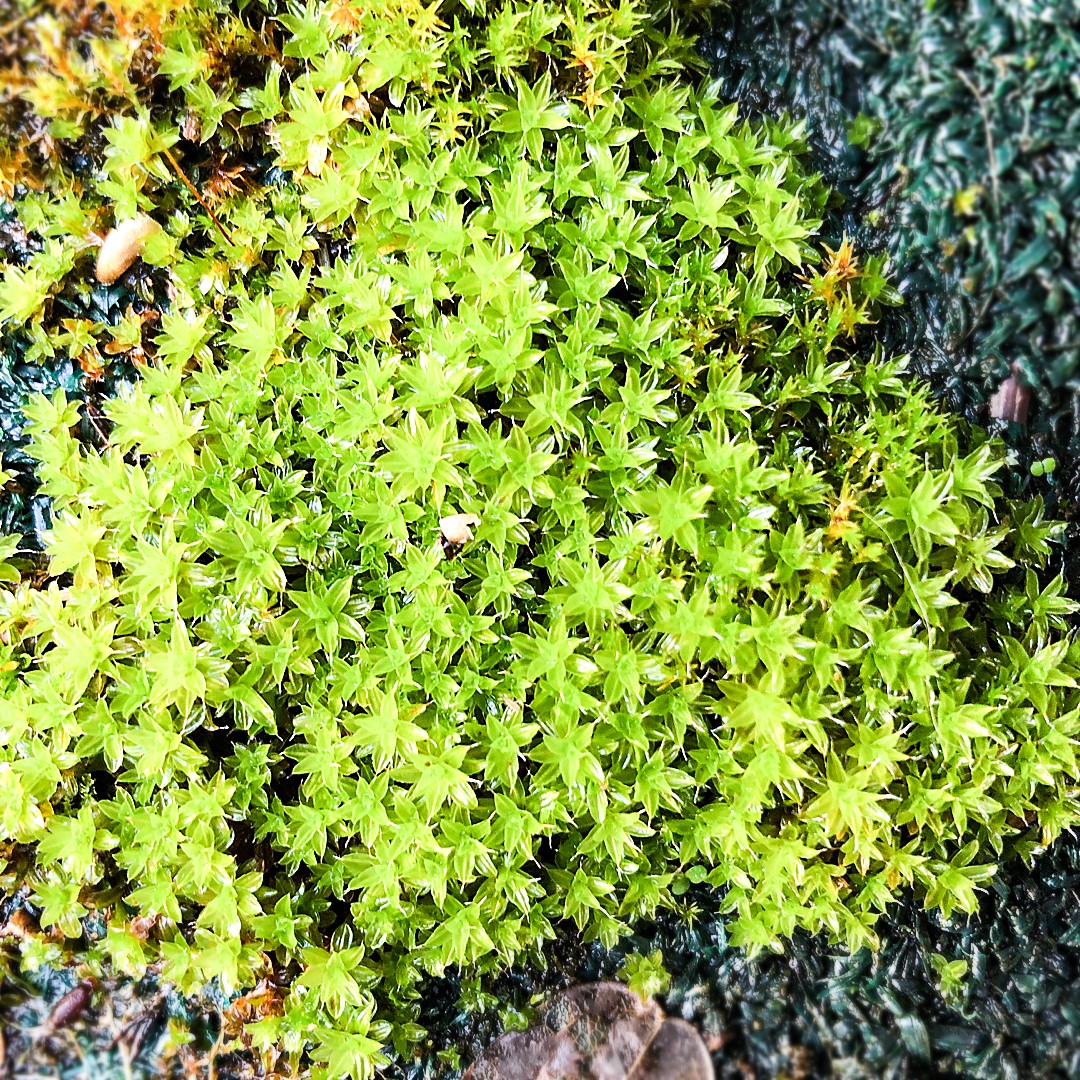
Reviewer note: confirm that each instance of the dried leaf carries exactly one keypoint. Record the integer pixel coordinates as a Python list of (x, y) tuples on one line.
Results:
[(1010, 401), (69, 1008), (598, 1031)]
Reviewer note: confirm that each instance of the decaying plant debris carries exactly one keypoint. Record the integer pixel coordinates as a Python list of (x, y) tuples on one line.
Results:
[(597, 1031)]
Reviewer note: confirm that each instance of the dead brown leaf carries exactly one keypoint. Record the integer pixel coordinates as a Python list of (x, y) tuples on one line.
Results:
[(598, 1031)]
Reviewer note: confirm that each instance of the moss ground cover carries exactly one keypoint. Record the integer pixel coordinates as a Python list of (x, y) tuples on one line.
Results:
[(742, 607)]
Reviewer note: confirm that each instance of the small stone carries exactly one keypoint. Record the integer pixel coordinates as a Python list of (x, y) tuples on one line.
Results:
[(675, 1052), (603, 1002), (457, 528)]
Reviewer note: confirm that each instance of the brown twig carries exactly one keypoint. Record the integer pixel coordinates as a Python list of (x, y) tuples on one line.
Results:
[(202, 202), (995, 195), (978, 320), (857, 30), (977, 93)]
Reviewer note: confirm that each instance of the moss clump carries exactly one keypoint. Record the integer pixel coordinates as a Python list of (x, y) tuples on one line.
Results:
[(735, 610)]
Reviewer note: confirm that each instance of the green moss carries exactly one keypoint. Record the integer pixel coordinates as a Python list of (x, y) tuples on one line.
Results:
[(737, 608)]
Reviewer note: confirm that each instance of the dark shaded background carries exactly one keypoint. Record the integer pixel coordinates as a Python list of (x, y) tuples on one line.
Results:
[(966, 117)]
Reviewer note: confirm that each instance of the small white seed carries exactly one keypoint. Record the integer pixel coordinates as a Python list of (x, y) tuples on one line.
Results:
[(457, 528), (123, 246)]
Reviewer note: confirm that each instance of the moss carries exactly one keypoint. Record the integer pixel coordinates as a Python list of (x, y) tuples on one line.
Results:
[(741, 607)]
